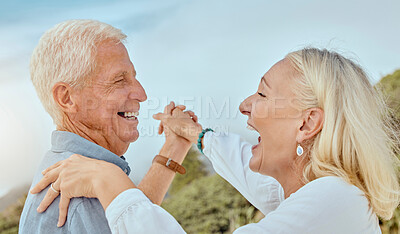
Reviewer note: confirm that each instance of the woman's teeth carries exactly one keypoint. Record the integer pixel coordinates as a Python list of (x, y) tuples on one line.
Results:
[(253, 129)]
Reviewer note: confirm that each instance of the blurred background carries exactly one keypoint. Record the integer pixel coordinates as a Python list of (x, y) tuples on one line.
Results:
[(208, 55)]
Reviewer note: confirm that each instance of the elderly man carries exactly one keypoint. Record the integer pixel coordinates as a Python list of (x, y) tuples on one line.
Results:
[(84, 77)]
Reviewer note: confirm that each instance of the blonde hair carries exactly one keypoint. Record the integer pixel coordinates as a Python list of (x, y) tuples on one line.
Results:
[(357, 142), (67, 53)]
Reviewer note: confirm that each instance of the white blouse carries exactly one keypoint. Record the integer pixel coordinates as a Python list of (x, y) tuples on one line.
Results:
[(325, 205)]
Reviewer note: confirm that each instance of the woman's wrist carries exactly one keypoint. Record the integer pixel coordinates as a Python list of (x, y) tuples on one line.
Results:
[(200, 140), (109, 182), (195, 133)]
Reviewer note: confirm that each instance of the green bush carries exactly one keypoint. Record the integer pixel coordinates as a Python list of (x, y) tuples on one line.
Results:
[(390, 85), (9, 218), (210, 205), (194, 170)]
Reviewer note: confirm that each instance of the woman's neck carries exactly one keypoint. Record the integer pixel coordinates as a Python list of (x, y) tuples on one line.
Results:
[(291, 185)]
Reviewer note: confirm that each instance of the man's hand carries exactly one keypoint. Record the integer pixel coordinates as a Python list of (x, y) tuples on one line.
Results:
[(182, 123)]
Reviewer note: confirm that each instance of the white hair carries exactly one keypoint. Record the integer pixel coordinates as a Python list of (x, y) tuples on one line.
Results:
[(67, 53)]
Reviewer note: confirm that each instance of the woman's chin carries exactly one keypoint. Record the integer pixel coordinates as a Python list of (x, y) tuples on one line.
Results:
[(255, 163)]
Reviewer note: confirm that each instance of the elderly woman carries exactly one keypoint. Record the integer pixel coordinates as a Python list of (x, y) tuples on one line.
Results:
[(328, 143)]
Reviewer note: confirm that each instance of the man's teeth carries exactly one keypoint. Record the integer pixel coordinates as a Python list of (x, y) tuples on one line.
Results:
[(250, 128), (131, 115)]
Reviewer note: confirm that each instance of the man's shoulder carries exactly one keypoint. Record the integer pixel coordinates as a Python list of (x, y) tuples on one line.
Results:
[(81, 211), (85, 215), (51, 158)]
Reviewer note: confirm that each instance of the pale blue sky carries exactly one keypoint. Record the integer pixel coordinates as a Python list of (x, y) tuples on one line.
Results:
[(199, 53)]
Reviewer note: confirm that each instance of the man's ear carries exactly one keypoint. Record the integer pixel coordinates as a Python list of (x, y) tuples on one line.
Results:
[(62, 94), (313, 121)]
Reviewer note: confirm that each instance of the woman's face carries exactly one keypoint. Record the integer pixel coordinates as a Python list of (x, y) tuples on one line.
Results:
[(272, 113)]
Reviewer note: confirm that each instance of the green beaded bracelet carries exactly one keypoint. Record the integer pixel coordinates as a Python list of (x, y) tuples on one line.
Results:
[(201, 135)]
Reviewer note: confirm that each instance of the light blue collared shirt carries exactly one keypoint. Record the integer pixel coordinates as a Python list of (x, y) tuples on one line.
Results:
[(85, 215)]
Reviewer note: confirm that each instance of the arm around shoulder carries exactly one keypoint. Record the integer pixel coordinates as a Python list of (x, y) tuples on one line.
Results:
[(133, 212)]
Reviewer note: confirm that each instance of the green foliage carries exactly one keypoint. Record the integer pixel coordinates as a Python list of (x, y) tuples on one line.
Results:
[(194, 170), (390, 84), (392, 225), (210, 205), (9, 218)]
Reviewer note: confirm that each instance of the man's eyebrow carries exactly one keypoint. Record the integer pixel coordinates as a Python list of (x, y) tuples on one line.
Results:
[(118, 74), (265, 82)]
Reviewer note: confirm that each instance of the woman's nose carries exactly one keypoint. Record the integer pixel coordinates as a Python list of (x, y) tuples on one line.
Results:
[(245, 106)]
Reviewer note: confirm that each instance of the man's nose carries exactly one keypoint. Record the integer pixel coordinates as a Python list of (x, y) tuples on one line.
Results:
[(137, 92)]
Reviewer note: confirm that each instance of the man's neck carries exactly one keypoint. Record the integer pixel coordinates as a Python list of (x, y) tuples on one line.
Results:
[(90, 135)]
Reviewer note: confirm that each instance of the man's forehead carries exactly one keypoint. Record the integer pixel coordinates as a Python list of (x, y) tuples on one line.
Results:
[(104, 48), (112, 61)]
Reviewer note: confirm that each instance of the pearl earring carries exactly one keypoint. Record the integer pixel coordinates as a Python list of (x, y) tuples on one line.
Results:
[(299, 150)]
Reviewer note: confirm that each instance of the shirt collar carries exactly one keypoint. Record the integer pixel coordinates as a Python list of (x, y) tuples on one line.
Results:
[(67, 141)]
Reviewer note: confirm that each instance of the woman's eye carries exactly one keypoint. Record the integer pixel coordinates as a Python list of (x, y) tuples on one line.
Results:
[(119, 81), (261, 94)]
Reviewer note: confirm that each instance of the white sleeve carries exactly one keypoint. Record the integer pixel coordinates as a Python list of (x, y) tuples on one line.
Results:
[(325, 205), (132, 212), (230, 157)]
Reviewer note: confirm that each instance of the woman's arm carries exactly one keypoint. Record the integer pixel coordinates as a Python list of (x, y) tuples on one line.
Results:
[(230, 157), (132, 212)]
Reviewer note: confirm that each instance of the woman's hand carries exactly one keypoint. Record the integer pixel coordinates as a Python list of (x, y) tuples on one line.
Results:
[(79, 176), (180, 122)]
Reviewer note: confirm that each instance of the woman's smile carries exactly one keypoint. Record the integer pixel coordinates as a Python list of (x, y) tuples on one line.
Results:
[(250, 127)]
